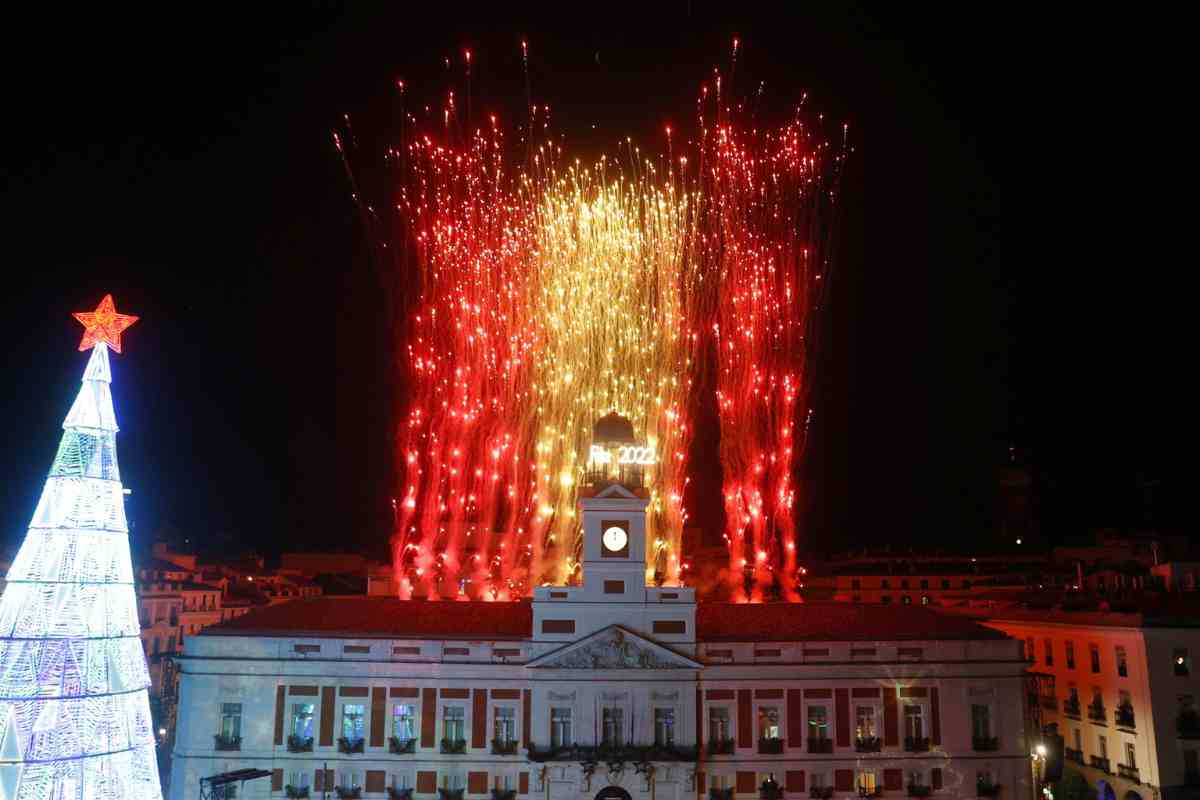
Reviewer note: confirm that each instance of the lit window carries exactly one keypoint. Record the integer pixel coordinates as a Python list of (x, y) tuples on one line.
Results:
[(914, 722), (505, 725), (454, 724), (231, 720), (302, 720), (768, 722), (613, 720), (818, 723), (1070, 648), (864, 727), (560, 727), (1122, 663), (664, 727), (1094, 653), (1049, 645), (353, 721), (404, 724), (866, 782), (1181, 662)]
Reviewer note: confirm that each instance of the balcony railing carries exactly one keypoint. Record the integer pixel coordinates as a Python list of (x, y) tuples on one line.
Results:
[(985, 744), (223, 742), (1129, 773), (916, 744), (986, 789), (919, 790), (299, 744), (874, 791), (820, 745), (348, 792), (821, 792), (1096, 713), (503, 794), (629, 754), (1071, 707), (772, 746), (770, 790), (1188, 724), (350, 746), (721, 794), (402, 747), (454, 746), (1123, 716), (399, 794), (868, 744), (1102, 764), (720, 747), (504, 747), (450, 794), (1071, 754), (295, 792)]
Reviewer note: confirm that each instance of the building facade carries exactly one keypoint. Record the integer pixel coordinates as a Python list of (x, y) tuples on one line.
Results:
[(610, 689)]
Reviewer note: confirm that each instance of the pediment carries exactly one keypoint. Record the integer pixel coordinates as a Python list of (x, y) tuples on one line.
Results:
[(614, 647), (614, 490)]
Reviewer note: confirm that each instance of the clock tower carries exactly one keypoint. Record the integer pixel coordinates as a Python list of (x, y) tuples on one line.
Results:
[(612, 503)]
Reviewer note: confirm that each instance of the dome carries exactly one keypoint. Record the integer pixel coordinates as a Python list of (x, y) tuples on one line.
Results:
[(613, 428)]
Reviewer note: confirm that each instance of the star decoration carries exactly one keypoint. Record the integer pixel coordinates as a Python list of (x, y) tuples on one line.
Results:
[(103, 325)]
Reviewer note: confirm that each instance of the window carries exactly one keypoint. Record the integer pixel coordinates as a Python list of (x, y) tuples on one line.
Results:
[(818, 723), (614, 727), (156, 645), (1182, 662), (560, 727), (768, 722), (1078, 739), (924, 583), (907, 599), (349, 779), (904, 583), (1102, 745), (299, 779), (505, 725), (914, 722), (503, 783), (864, 722), (818, 780), (719, 781), (1029, 654), (945, 583), (664, 727), (1070, 647), (231, 720), (353, 721), (866, 781), (981, 721), (302, 720), (1094, 653), (915, 778), (718, 724), (452, 781), (401, 780), (886, 599), (1130, 755), (924, 599), (1122, 663), (404, 722), (1049, 646), (1191, 764), (454, 720), (856, 584), (883, 584)]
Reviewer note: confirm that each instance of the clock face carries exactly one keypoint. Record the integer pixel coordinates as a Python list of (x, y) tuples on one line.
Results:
[(615, 539)]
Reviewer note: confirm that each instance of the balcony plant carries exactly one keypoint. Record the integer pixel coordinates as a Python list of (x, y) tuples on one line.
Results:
[(399, 794), (985, 744), (402, 747), (1123, 715), (919, 790), (350, 746), (770, 790), (504, 747), (916, 744), (504, 794), (299, 744), (868, 744), (821, 792), (823, 745), (986, 789), (770, 745), (721, 794), (223, 742), (874, 791), (454, 746), (295, 792), (720, 747), (450, 794), (348, 792)]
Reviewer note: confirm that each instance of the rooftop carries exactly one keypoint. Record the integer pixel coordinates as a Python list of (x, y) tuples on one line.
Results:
[(830, 622)]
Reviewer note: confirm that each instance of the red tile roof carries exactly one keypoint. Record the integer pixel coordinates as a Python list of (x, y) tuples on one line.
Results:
[(830, 622), (383, 617)]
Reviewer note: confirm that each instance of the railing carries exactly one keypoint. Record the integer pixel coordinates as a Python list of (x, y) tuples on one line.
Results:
[(1129, 773), (295, 792), (771, 746), (504, 794), (1096, 713), (350, 746), (627, 753), (820, 745), (770, 790), (348, 792), (1071, 707), (223, 742), (874, 791), (916, 744), (399, 794), (300, 744), (450, 794), (821, 792), (721, 794), (1071, 754), (720, 747), (504, 747), (401, 747), (917, 790), (454, 746), (1188, 724), (868, 744), (985, 744), (986, 789), (1123, 716), (1099, 763)]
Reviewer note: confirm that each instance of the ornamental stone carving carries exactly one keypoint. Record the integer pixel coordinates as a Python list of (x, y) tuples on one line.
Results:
[(612, 649)]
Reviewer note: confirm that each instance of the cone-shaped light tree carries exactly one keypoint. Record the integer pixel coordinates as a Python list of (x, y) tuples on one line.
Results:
[(74, 708)]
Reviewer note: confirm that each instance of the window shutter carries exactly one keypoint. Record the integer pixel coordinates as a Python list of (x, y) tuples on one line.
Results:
[(327, 705), (745, 725), (523, 783), (428, 719), (843, 780), (935, 716), (479, 722), (378, 716), (891, 718), (842, 704), (795, 718), (893, 779), (935, 777), (477, 783), (794, 780), (280, 692), (745, 783), (376, 780), (276, 780)]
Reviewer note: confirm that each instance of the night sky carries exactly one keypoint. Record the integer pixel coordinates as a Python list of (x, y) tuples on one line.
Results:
[(185, 165)]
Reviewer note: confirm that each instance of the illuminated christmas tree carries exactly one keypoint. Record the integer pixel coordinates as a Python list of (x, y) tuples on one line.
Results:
[(74, 708)]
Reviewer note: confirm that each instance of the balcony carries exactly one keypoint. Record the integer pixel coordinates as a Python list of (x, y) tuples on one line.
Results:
[(454, 747), (295, 792), (868, 744), (770, 790), (720, 747), (985, 744), (1071, 707), (1071, 754), (916, 744), (503, 794), (350, 746), (299, 744), (348, 792), (919, 790), (1129, 773), (1188, 724), (450, 794), (1123, 716), (629, 754), (986, 789), (226, 743), (770, 747), (721, 794), (1096, 713), (874, 791), (504, 747), (399, 794), (402, 747), (1102, 764), (820, 792), (819, 746)]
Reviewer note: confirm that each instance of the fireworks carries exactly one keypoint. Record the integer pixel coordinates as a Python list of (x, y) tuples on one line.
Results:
[(552, 292)]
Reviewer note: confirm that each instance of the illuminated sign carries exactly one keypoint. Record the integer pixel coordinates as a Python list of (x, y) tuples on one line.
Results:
[(626, 454)]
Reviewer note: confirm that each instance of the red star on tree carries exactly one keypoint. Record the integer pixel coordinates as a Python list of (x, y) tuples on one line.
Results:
[(103, 325)]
